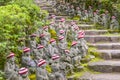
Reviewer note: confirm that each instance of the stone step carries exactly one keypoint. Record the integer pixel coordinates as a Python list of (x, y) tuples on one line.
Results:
[(47, 8), (101, 76), (85, 26), (107, 66), (102, 38), (110, 54), (105, 46), (95, 32)]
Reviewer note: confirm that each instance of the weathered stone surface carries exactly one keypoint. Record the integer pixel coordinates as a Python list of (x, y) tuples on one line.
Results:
[(85, 26), (107, 66), (102, 38), (109, 54), (95, 32), (101, 76), (106, 76), (106, 45)]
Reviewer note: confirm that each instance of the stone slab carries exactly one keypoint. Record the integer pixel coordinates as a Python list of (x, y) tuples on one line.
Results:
[(102, 38), (95, 32), (102, 76), (109, 54), (104, 46), (107, 66)]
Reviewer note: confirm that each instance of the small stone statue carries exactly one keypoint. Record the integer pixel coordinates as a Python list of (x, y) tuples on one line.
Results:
[(75, 54), (62, 45), (23, 74), (61, 24), (47, 34), (26, 58), (67, 8), (33, 42), (90, 11), (41, 72), (42, 40), (56, 68), (42, 52), (38, 53), (114, 24), (86, 15), (61, 33), (95, 18), (104, 20), (79, 12), (82, 44), (11, 68), (53, 17), (72, 11), (52, 48), (68, 61), (52, 26)]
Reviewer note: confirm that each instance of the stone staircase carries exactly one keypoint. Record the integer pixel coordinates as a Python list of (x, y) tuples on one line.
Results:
[(107, 45)]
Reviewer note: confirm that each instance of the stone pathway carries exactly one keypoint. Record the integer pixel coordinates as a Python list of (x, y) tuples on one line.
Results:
[(107, 45)]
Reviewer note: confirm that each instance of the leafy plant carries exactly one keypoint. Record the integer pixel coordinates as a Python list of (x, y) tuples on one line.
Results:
[(18, 20)]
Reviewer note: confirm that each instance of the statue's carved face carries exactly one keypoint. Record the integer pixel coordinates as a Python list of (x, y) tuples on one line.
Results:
[(12, 59), (24, 75), (53, 43)]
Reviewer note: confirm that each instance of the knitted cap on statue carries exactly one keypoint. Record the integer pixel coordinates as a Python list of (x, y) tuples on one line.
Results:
[(74, 43), (52, 40), (40, 46), (26, 49), (41, 62), (11, 55), (23, 71), (62, 20), (33, 35), (61, 31), (55, 57), (42, 35), (61, 38)]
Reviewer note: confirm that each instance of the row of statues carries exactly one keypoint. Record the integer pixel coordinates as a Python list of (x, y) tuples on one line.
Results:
[(48, 51), (104, 18)]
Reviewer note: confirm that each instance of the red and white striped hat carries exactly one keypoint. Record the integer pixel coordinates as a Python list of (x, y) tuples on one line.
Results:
[(62, 19), (61, 37), (81, 32), (86, 11), (23, 70), (45, 27), (95, 13), (53, 16), (41, 62), (52, 40), (67, 51), (61, 31), (80, 36), (103, 14), (76, 27), (55, 56), (73, 23), (33, 35), (26, 49), (113, 17), (42, 35), (11, 55), (90, 6), (40, 46), (74, 43), (51, 23), (97, 10)]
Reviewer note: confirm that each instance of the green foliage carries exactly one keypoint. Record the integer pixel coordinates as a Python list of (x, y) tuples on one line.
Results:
[(53, 34), (2, 75), (18, 19)]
